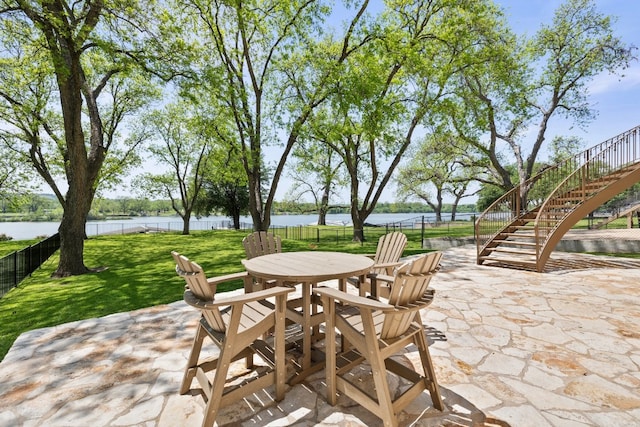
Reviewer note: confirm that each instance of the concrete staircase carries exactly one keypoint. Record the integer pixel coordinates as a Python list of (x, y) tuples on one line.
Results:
[(521, 229)]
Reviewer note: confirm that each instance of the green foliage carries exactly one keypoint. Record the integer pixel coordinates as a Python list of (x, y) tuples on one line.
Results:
[(225, 187), (487, 195), (438, 163), (227, 198)]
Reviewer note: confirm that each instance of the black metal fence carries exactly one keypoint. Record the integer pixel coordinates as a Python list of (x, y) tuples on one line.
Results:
[(416, 228), (20, 264)]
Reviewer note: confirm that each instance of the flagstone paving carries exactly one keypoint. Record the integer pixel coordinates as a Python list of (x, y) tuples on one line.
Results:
[(510, 348)]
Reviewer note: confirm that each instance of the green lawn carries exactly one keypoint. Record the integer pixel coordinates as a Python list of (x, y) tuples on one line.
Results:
[(140, 273), (10, 246)]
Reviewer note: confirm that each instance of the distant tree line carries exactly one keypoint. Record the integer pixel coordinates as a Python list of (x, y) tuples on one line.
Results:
[(42, 207)]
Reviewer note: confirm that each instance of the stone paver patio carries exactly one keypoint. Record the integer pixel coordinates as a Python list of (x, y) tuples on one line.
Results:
[(510, 348)]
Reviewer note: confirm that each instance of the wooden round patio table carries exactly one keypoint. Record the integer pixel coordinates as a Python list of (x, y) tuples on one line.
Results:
[(308, 269)]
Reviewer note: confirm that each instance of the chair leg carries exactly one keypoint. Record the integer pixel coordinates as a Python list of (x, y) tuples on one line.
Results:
[(217, 386), (379, 372), (429, 373), (330, 350), (279, 344), (249, 362), (192, 363)]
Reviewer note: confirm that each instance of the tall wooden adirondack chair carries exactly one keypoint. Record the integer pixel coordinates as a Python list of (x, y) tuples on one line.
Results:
[(261, 243), (381, 283), (236, 325), (376, 331), (387, 257)]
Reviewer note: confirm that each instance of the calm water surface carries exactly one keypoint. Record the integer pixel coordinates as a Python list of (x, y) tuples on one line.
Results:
[(30, 230)]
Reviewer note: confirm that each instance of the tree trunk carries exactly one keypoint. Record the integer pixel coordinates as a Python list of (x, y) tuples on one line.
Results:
[(322, 216), (79, 195), (236, 220), (72, 236), (186, 219), (72, 230), (454, 209), (358, 228), (324, 206), (261, 219)]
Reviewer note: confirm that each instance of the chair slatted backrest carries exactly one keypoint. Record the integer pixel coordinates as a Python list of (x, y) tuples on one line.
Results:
[(411, 281), (197, 283), (390, 248), (261, 243)]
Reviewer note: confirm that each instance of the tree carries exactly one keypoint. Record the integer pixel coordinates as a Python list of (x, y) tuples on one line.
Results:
[(225, 187), (317, 172), (183, 147), (68, 82), (515, 85), (437, 163), (261, 62), (562, 148), (389, 91)]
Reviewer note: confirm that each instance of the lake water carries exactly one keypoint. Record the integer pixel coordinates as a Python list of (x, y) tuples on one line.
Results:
[(31, 230)]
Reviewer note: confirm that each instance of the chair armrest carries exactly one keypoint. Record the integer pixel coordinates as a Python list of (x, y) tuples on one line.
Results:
[(276, 291), (388, 266), (383, 278), (355, 300), (243, 275)]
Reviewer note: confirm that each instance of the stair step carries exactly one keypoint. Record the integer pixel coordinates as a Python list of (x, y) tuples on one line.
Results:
[(574, 200), (531, 227), (514, 242), (553, 215), (519, 235), (511, 251), (524, 227), (530, 265)]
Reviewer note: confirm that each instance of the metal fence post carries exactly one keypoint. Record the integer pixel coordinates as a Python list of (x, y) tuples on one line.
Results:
[(15, 268)]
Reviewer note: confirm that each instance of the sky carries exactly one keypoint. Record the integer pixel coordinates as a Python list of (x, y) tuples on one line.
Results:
[(617, 100)]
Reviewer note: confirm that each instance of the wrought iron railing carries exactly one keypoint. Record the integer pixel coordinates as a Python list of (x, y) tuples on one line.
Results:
[(535, 197), (597, 169)]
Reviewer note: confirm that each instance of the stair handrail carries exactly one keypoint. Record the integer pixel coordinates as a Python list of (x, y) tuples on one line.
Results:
[(613, 155), (530, 195)]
